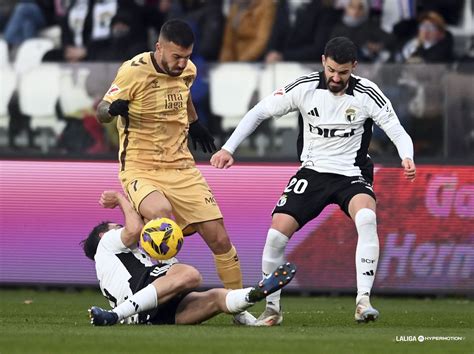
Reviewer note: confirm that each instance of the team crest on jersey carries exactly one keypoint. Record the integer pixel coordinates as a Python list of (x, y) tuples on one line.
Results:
[(350, 114), (113, 90)]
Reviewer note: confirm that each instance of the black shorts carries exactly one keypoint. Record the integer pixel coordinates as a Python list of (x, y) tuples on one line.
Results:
[(308, 192), (166, 313)]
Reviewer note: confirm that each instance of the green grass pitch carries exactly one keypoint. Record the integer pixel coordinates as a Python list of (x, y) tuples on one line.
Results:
[(57, 322)]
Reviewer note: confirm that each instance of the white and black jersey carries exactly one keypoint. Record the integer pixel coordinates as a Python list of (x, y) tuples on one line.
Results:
[(119, 268), (335, 131)]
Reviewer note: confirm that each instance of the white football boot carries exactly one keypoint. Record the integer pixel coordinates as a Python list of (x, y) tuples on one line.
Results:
[(364, 311), (244, 319), (270, 317)]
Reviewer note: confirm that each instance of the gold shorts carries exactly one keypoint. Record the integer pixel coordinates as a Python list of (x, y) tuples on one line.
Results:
[(186, 189)]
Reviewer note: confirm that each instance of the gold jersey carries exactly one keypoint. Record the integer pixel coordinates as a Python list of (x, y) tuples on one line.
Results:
[(155, 135)]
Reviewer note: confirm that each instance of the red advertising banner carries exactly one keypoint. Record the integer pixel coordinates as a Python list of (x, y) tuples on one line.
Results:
[(426, 231), (426, 228)]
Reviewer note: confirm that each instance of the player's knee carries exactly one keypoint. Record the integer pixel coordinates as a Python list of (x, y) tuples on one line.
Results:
[(365, 216), (218, 241), (214, 294), (221, 245), (285, 224), (191, 278)]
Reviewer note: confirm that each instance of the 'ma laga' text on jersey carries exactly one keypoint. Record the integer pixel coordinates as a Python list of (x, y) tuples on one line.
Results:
[(118, 267), (335, 130), (155, 134)]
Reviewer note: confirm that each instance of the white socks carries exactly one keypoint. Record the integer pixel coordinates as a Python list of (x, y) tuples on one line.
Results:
[(143, 300), (273, 256), (236, 300), (367, 251)]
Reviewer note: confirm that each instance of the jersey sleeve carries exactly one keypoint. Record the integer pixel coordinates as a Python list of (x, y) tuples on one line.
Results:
[(124, 85), (381, 111), (279, 103), (282, 101), (379, 107), (112, 242)]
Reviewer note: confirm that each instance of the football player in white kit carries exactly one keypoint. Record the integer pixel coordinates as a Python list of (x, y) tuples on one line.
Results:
[(338, 110), (142, 292)]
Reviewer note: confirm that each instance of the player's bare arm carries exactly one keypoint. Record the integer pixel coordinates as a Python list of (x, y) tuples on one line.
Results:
[(222, 159), (107, 111), (410, 169), (102, 112), (133, 222)]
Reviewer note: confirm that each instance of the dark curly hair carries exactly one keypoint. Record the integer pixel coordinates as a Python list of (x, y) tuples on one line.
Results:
[(178, 32), (89, 245), (341, 49)]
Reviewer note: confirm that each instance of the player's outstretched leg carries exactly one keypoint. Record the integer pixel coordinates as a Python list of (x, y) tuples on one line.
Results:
[(272, 317), (101, 317), (364, 311), (244, 319), (273, 282), (281, 276)]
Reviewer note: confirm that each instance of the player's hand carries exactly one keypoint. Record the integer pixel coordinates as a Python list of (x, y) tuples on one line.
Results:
[(109, 199), (222, 159), (410, 169), (200, 134), (119, 107)]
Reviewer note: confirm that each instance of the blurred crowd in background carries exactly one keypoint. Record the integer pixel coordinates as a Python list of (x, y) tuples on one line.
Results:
[(257, 31)]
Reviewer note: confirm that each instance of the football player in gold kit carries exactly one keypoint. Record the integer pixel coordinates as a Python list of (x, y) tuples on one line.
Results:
[(151, 95)]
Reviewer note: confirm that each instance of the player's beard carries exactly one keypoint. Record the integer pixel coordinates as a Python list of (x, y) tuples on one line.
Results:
[(336, 87), (168, 70)]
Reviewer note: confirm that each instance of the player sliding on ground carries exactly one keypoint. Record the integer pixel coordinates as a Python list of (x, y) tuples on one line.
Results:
[(337, 110), (146, 293)]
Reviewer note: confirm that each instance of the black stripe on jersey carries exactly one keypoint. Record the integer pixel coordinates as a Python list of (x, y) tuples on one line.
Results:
[(362, 160), (373, 90), (137, 270), (125, 143), (315, 74), (303, 79), (300, 140), (372, 94)]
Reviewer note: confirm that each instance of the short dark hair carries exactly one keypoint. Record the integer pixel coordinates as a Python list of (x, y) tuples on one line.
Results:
[(89, 245), (341, 49), (178, 32)]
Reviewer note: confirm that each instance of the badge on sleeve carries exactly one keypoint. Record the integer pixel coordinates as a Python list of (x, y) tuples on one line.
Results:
[(113, 90)]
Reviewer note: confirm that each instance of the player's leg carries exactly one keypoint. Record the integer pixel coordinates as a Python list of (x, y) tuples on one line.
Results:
[(155, 205), (282, 228), (302, 200), (172, 281), (362, 211), (145, 194), (197, 307), (196, 209), (226, 260)]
